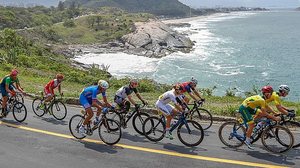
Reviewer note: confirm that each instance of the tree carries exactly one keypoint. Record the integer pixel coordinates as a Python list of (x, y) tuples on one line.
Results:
[(61, 6)]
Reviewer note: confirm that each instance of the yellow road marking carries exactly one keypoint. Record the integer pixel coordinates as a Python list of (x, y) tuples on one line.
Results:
[(213, 159)]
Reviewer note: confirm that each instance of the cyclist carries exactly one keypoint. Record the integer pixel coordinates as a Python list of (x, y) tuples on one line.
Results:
[(167, 109), (255, 106), (9, 84), (190, 88), (126, 91), (282, 92), (49, 88), (88, 99)]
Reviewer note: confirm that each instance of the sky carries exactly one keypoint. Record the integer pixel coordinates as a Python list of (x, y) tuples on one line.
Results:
[(246, 3)]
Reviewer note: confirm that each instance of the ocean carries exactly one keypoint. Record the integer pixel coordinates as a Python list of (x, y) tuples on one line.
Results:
[(238, 50)]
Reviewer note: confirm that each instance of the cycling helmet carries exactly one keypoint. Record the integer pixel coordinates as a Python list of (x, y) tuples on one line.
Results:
[(133, 82), (59, 76), (267, 89), (284, 88), (194, 81), (103, 84), (14, 72)]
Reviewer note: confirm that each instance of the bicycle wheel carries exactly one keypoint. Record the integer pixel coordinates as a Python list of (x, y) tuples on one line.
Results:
[(36, 103), (74, 124), (154, 129), (59, 110), (138, 120), (19, 111), (294, 127), (277, 139), (20, 97), (190, 134), (203, 117), (116, 116), (230, 134), (109, 131)]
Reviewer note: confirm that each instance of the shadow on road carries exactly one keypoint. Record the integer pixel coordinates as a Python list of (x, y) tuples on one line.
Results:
[(279, 159), (54, 121), (183, 149), (99, 147), (133, 138), (13, 122)]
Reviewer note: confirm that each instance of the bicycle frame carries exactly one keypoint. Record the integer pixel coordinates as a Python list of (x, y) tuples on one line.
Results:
[(182, 119)]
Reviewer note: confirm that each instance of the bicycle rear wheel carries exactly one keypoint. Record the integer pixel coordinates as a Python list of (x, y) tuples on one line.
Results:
[(138, 121), (203, 117), (228, 133), (277, 139), (109, 131), (190, 134), (36, 104), (294, 127), (154, 129), (74, 124), (19, 111), (59, 110)]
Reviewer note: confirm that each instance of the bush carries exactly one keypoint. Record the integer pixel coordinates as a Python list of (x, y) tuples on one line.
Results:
[(69, 23)]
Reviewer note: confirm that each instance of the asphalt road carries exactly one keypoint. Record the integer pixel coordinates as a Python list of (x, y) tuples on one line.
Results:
[(44, 142)]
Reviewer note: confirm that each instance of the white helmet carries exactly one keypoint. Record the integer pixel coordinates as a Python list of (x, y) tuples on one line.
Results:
[(194, 81), (284, 88), (103, 84)]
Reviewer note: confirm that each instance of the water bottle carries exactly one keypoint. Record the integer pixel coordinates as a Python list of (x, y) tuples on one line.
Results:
[(173, 122), (129, 114), (258, 126)]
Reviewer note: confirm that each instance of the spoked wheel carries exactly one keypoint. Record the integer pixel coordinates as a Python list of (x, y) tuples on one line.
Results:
[(138, 121), (190, 134), (277, 139), (74, 124), (36, 107), (109, 131), (19, 111), (294, 127), (228, 134), (59, 110), (154, 129), (203, 117)]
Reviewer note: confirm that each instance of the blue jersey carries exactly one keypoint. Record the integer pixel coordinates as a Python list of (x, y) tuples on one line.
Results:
[(91, 92)]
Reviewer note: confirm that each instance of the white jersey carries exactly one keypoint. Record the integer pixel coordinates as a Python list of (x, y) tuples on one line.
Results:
[(167, 97)]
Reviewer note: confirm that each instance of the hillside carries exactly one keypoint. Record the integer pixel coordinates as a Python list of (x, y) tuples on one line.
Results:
[(166, 7)]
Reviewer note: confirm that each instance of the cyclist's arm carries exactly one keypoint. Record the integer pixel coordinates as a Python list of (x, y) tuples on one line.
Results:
[(282, 109), (140, 97), (59, 89), (266, 114), (197, 93), (107, 104), (192, 96)]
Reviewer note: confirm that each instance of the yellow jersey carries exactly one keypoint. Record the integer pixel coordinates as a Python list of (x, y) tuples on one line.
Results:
[(275, 97), (254, 102)]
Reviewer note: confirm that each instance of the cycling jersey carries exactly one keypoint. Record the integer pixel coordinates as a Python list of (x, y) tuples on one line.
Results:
[(88, 95), (274, 97), (49, 88), (250, 107), (122, 94), (167, 97), (186, 87), (7, 80)]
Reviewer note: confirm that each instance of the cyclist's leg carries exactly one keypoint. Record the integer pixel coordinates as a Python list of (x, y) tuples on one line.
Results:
[(49, 94), (4, 99), (246, 113)]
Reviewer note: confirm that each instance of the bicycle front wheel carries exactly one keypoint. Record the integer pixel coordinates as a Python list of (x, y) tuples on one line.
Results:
[(294, 127), (277, 139), (138, 121), (203, 117), (59, 110), (230, 134), (36, 107), (154, 129), (74, 124), (19, 112), (109, 131), (190, 133)]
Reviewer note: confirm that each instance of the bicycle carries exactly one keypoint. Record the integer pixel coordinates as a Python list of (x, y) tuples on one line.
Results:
[(235, 133), (105, 125), (288, 122), (16, 107), (56, 107), (189, 132), (199, 114), (137, 116)]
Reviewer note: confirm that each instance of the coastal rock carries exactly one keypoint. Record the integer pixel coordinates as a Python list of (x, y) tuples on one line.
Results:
[(155, 39)]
